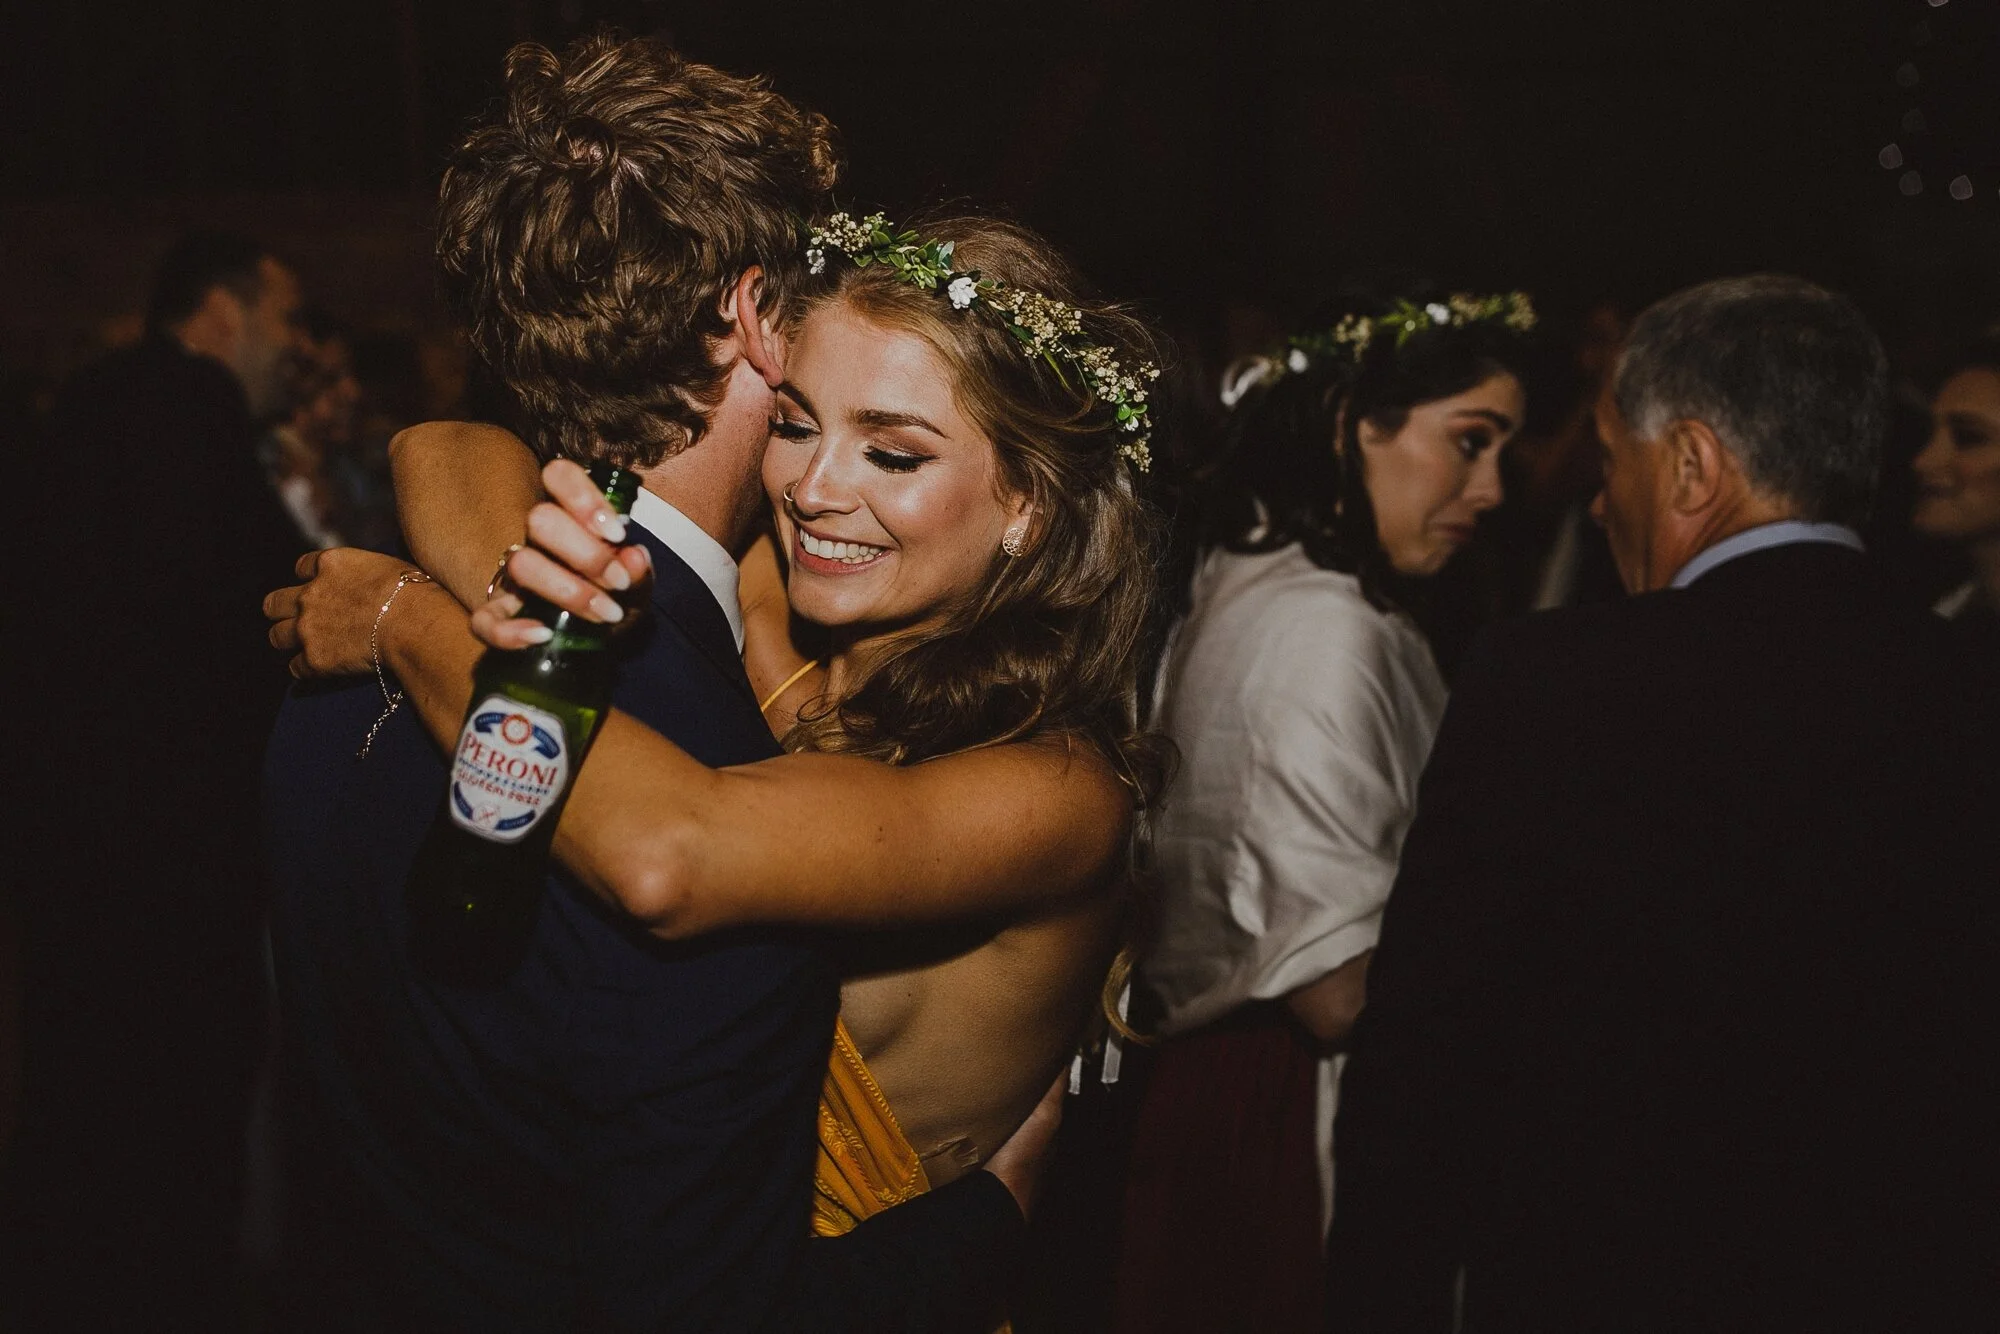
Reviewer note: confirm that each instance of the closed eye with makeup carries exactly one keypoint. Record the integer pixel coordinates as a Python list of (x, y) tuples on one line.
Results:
[(889, 507)]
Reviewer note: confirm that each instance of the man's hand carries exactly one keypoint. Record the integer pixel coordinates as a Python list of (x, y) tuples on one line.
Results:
[(325, 623), (1019, 1162)]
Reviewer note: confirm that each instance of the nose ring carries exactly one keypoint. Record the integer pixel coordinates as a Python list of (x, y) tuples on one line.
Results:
[(788, 495)]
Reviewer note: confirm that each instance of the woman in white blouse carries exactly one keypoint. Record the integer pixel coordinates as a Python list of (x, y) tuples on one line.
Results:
[(1355, 464)]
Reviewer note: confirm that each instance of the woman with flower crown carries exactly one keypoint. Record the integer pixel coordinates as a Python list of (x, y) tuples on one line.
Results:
[(1355, 463), (951, 471)]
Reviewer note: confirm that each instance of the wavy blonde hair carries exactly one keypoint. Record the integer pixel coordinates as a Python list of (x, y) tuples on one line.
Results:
[(1052, 643)]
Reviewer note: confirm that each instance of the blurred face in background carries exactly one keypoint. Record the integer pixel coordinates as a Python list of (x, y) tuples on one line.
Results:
[(270, 341), (1429, 481), (328, 394), (1958, 472)]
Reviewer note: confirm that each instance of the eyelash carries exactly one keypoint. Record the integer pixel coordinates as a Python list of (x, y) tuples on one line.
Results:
[(885, 459), (889, 461), (1474, 443)]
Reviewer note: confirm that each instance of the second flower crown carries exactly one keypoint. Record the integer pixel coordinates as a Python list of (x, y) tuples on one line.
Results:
[(1348, 341), (1044, 328)]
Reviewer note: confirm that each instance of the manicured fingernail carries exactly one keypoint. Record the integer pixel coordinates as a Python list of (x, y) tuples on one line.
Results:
[(614, 575), (606, 609), (540, 634), (609, 526)]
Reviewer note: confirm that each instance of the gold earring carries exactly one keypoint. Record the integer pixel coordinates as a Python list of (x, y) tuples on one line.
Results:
[(1016, 540)]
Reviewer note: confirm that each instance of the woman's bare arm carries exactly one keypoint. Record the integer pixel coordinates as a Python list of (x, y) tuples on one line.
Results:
[(818, 839), (1329, 1006), (835, 839), (463, 491), (809, 839)]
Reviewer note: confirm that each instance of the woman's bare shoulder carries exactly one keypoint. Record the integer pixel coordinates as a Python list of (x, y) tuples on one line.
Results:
[(440, 434)]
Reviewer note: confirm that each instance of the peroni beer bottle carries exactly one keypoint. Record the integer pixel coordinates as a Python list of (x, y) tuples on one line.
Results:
[(476, 888)]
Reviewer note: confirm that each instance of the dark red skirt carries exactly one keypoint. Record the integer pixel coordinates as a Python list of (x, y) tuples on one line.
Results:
[(1222, 1204)]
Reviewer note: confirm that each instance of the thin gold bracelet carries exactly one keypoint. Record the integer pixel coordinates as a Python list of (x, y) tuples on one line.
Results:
[(390, 702)]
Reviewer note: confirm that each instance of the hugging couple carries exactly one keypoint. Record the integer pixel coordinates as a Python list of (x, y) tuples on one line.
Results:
[(906, 845)]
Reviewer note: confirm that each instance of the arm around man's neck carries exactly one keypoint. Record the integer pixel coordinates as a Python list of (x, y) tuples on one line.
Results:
[(463, 492)]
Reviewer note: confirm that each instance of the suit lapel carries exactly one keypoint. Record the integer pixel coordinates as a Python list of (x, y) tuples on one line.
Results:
[(680, 596)]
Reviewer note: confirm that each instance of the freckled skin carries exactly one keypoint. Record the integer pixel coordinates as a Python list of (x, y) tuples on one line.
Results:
[(962, 1027)]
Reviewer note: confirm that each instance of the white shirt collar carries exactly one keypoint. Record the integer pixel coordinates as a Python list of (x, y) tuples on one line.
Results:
[(703, 554)]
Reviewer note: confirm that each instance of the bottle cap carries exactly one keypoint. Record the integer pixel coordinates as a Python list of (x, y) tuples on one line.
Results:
[(619, 485)]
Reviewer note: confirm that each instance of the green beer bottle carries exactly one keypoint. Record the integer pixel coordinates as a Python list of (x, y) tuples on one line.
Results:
[(476, 887)]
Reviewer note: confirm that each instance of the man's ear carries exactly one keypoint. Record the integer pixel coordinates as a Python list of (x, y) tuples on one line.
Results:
[(757, 333), (1700, 468)]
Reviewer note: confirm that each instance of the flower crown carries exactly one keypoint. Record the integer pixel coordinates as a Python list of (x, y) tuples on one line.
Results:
[(1044, 327), (1349, 340)]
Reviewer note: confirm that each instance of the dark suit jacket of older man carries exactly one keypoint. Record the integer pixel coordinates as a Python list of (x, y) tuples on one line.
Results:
[(1678, 1018)]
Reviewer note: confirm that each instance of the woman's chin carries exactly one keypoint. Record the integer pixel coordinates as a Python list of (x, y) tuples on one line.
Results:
[(1424, 564)]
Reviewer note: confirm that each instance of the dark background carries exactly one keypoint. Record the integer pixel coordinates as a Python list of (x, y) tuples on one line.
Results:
[(1227, 164)]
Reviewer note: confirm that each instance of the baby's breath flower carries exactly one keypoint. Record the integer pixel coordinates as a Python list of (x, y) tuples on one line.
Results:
[(1045, 328), (1349, 339)]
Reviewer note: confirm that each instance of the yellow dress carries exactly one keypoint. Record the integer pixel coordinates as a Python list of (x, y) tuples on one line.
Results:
[(865, 1163)]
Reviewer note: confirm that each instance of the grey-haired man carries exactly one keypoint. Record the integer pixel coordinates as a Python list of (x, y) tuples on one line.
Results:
[(1675, 1019)]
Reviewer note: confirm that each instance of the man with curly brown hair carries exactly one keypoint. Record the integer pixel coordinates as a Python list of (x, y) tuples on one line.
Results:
[(620, 1135)]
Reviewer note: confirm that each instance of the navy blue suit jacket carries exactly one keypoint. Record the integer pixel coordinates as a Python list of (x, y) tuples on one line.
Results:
[(622, 1135)]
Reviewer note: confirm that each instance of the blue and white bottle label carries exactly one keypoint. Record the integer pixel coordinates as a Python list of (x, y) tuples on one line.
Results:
[(511, 768)]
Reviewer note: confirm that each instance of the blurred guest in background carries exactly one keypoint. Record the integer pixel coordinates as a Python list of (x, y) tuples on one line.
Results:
[(144, 993), (1556, 555), (1355, 464), (328, 458), (1678, 1018), (402, 383), (303, 451), (1958, 491)]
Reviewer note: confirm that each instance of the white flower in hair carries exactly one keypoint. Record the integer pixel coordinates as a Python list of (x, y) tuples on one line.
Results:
[(1439, 312), (1296, 360), (1045, 329)]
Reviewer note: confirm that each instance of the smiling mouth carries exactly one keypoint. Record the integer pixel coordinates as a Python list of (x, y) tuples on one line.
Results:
[(849, 554)]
